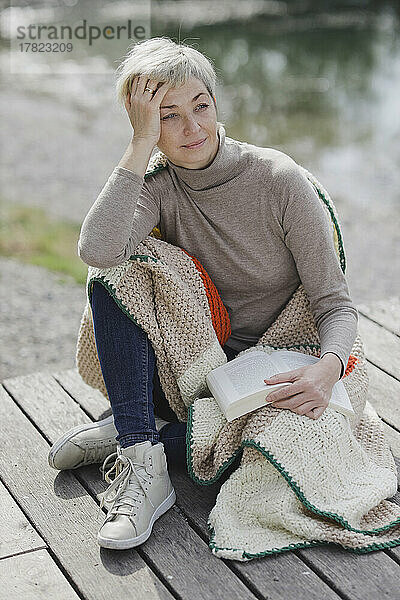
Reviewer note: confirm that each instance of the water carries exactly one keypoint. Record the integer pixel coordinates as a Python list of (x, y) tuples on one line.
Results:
[(322, 86)]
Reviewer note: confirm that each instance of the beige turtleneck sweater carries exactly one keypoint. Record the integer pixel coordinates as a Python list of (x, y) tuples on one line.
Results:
[(255, 223)]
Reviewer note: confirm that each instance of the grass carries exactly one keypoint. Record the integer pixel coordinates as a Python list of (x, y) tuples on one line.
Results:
[(30, 235)]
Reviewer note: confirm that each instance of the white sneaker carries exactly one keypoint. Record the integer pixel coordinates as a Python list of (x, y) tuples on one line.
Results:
[(139, 494), (87, 444)]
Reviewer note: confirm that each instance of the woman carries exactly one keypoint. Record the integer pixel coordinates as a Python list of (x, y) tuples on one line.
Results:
[(252, 219)]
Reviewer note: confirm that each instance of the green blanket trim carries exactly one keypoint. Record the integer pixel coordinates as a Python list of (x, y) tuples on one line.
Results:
[(154, 171), (214, 548), (146, 258), (270, 457), (111, 289), (293, 484), (371, 548), (230, 460), (328, 204)]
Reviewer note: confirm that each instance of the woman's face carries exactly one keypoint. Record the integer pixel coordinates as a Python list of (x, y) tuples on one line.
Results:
[(192, 118)]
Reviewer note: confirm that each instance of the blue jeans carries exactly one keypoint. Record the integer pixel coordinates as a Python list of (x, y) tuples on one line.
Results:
[(127, 361)]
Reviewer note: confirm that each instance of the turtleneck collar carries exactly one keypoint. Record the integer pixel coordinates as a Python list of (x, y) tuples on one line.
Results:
[(225, 166)]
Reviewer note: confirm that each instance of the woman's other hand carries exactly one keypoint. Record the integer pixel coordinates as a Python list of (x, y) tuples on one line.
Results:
[(143, 108), (311, 387)]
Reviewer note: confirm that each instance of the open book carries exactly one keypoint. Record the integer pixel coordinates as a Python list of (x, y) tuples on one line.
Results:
[(239, 387)]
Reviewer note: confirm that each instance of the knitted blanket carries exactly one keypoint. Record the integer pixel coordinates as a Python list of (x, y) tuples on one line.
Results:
[(300, 482)]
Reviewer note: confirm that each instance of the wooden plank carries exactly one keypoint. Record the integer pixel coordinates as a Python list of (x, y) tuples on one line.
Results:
[(34, 576), (275, 577), (63, 513), (382, 347), (17, 534), (397, 461), (35, 393), (357, 576), (282, 576), (174, 548), (184, 557), (268, 575), (90, 399), (384, 395), (22, 388), (383, 312)]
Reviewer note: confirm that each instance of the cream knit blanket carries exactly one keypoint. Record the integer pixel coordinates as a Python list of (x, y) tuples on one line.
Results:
[(300, 482)]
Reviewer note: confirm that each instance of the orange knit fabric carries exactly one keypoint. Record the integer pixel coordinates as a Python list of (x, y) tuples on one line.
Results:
[(219, 314), (350, 365)]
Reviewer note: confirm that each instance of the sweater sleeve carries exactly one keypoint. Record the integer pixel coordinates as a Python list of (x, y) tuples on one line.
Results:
[(124, 213), (308, 235)]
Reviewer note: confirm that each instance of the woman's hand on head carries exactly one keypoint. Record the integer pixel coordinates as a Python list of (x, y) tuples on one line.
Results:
[(143, 108), (309, 392)]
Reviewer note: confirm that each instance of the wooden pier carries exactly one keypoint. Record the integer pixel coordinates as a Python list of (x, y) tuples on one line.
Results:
[(49, 520)]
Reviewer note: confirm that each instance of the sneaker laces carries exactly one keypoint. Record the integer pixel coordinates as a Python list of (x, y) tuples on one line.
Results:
[(95, 453), (126, 491)]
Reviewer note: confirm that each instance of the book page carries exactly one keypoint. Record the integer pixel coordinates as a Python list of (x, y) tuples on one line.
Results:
[(340, 396), (248, 376), (289, 360)]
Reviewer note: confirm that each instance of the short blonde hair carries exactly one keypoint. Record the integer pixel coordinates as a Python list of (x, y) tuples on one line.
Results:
[(163, 59)]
